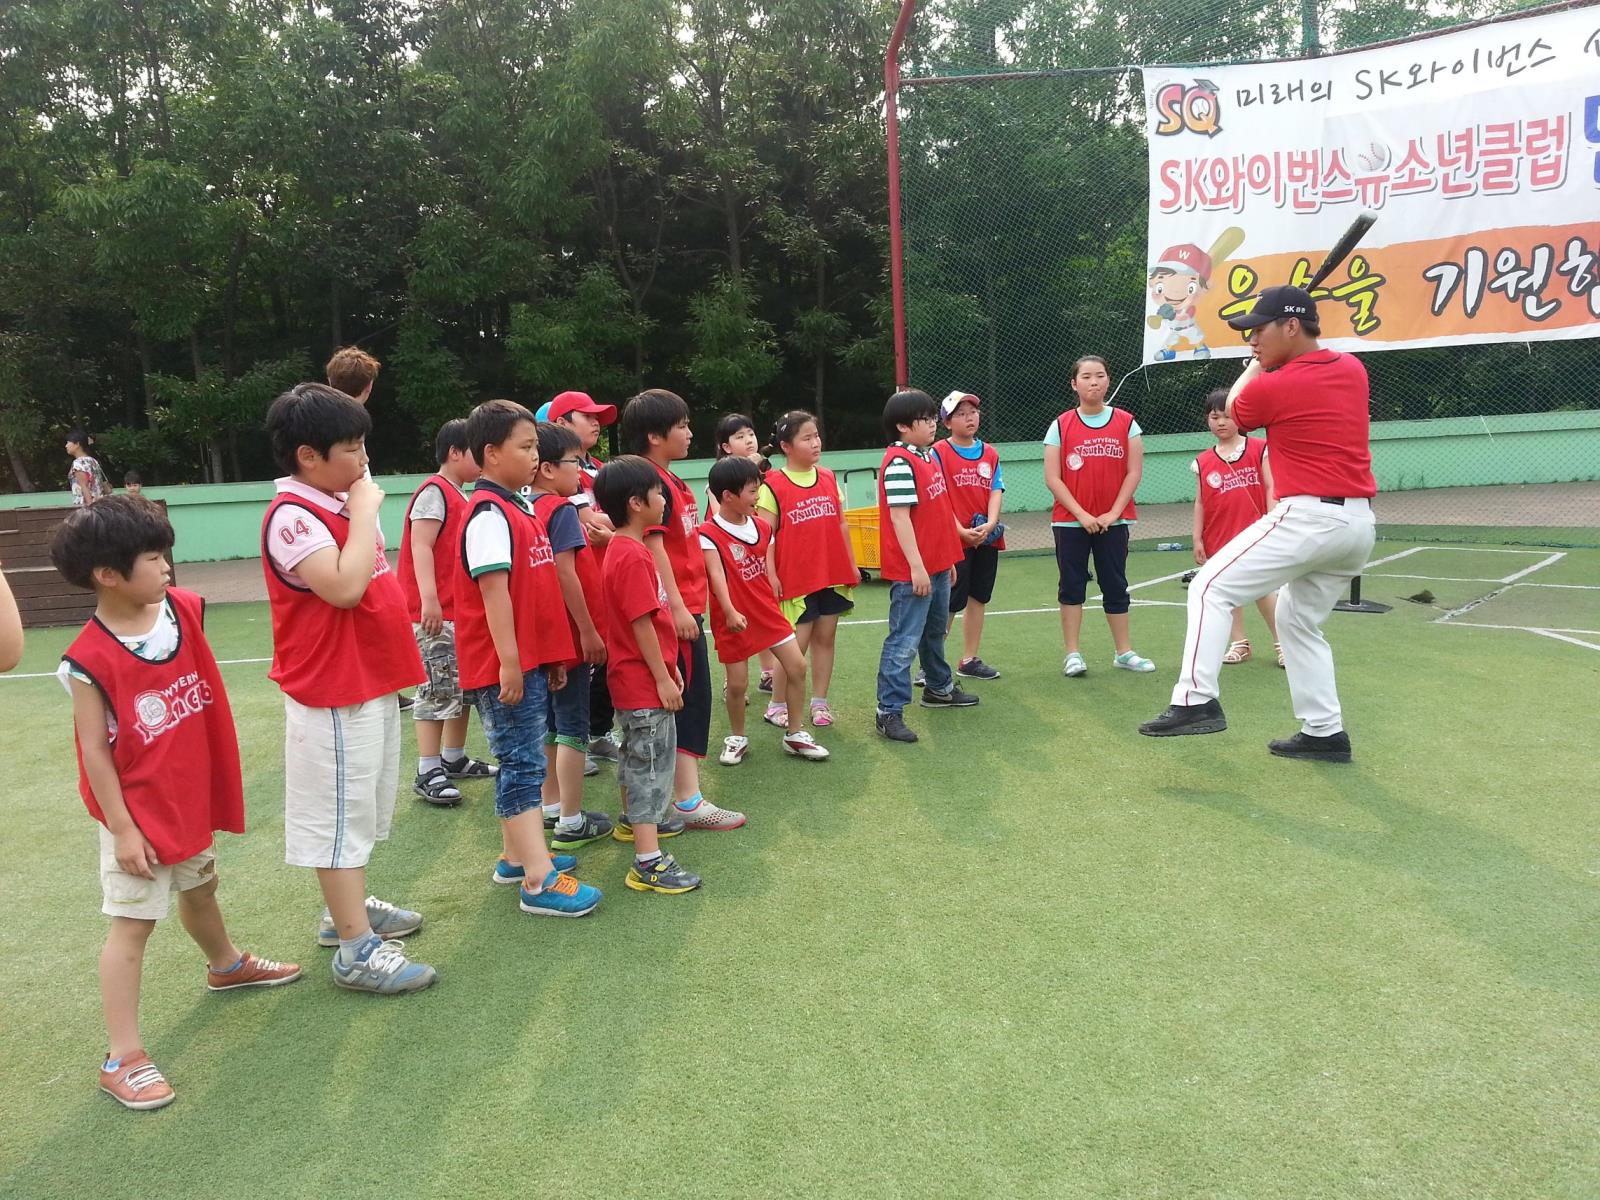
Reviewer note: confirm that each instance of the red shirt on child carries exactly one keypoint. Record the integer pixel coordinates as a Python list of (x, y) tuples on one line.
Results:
[(812, 553), (175, 749), (1232, 494), (678, 529), (633, 589), (744, 567), (933, 520), (446, 550), (1094, 463)]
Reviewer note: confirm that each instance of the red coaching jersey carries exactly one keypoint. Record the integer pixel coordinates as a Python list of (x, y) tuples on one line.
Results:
[(933, 521), (744, 566), (543, 638), (633, 589), (175, 749), (683, 542), (971, 482), (446, 550), (1232, 494), (1315, 411), (324, 656), (588, 473), (1094, 463), (583, 561), (812, 553)]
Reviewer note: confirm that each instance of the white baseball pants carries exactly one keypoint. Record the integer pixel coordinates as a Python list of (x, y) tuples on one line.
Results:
[(1308, 549)]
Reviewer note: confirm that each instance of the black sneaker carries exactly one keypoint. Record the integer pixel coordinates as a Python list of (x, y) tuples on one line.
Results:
[(406, 702), (1333, 748), (893, 726), (1182, 719), (976, 668), (435, 787), (671, 827), (664, 875), (595, 826), (954, 698), (764, 684)]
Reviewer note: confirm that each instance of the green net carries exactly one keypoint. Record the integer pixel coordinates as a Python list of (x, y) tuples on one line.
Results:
[(1024, 191)]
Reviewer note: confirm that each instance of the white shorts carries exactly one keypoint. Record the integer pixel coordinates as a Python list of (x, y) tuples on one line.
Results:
[(341, 769), (144, 899)]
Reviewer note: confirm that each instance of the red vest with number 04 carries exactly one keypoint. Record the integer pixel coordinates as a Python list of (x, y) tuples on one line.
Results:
[(1094, 462), (933, 521), (543, 638), (971, 482), (446, 550), (324, 656), (175, 749), (811, 550)]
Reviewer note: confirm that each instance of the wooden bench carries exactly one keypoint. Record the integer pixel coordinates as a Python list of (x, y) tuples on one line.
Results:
[(43, 597)]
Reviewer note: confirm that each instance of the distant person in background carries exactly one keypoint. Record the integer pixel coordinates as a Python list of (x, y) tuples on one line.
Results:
[(87, 476), (133, 483), (353, 372)]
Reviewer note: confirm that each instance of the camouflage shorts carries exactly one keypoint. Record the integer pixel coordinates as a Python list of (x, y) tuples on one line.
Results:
[(646, 763), (439, 699)]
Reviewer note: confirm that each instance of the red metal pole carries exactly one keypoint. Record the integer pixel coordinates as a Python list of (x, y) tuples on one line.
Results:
[(891, 115)]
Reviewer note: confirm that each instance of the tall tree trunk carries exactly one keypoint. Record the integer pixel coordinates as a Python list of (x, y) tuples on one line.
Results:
[(230, 303), (335, 325), (730, 213), (19, 468), (822, 353), (145, 367)]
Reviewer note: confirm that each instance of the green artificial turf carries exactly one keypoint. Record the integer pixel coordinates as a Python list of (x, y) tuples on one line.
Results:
[(1036, 955)]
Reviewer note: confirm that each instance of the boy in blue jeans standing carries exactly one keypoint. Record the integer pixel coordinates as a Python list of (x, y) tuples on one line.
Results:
[(920, 544)]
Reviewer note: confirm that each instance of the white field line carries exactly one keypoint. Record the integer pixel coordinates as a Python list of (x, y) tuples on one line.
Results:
[(1429, 578), (1378, 562), (1576, 587), (221, 662), (1562, 637), (1518, 628), (1516, 575)]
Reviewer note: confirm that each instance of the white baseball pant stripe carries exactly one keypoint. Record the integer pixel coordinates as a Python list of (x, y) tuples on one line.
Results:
[(1308, 549)]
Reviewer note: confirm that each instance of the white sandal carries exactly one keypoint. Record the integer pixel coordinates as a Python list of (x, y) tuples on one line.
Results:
[(1279, 650), (1238, 652)]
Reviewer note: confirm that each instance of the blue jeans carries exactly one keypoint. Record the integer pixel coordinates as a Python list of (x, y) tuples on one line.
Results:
[(916, 629), (516, 738)]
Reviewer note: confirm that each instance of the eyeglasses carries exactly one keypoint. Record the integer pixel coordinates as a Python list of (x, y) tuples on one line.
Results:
[(569, 462)]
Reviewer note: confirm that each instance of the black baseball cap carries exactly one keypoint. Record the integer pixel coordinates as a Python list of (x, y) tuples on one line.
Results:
[(1274, 304)]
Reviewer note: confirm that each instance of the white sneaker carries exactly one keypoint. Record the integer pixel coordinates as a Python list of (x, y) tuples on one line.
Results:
[(707, 815), (733, 750), (801, 744), (1073, 664)]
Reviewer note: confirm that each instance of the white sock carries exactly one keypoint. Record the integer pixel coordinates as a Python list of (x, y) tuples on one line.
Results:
[(567, 824), (453, 753), (553, 810), (428, 762), (349, 949), (646, 860)]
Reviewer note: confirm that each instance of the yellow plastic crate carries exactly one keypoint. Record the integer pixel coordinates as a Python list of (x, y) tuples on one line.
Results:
[(863, 525)]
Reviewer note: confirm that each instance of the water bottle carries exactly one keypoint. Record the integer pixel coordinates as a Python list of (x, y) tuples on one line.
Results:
[(1169, 546)]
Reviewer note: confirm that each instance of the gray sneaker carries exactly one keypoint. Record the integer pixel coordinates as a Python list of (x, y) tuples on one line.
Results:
[(387, 922), (604, 747), (385, 970), (590, 767)]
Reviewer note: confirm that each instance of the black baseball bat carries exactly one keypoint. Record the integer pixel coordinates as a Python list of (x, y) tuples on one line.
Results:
[(1341, 249)]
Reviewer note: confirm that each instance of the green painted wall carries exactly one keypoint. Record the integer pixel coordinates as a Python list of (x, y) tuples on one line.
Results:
[(224, 520)]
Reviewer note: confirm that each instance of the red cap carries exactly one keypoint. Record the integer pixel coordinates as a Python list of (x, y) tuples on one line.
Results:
[(571, 402), (1187, 259)]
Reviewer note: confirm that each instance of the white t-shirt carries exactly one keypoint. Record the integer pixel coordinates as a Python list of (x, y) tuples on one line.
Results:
[(159, 642), (487, 542), (746, 533)]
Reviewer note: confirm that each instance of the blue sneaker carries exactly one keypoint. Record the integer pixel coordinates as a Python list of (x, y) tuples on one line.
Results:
[(563, 896), (382, 968), (504, 872)]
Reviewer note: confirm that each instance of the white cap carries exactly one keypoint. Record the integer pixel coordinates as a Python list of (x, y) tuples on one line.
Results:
[(954, 401)]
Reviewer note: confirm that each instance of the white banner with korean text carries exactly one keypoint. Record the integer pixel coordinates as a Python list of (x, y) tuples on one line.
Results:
[(1479, 150)]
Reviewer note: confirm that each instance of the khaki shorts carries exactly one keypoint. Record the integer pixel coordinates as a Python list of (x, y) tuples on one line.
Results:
[(149, 899), (439, 698), (645, 764), (341, 770)]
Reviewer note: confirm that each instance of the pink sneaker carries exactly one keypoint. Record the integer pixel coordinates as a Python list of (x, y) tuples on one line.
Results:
[(253, 972)]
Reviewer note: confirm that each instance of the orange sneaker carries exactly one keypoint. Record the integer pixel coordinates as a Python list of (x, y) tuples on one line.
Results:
[(136, 1082), (253, 972)]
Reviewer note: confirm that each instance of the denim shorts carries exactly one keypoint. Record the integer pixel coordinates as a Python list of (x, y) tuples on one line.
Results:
[(567, 715), (646, 763), (516, 738)]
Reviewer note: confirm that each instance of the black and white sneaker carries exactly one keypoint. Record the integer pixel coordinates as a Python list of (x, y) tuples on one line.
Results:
[(1179, 720), (1334, 748), (435, 787), (604, 747), (976, 668), (893, 726), (954, 698)]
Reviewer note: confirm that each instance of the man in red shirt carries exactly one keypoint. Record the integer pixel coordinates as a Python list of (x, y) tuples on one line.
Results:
[(1313, 404)]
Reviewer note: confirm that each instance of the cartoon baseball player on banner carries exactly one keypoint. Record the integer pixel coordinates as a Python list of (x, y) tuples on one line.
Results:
[(1178, 281)]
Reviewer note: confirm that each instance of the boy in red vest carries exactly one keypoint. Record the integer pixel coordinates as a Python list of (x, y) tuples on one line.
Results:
[(920, 544), (745, 618), (158, 767), (655, 426), (646, 682), (514, 646), (341, 649), (430, 559), (972, 469), (556, 486), (1234, 490)]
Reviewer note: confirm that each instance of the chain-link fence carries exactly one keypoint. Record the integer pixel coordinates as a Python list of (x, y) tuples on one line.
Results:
[(1023, 197)]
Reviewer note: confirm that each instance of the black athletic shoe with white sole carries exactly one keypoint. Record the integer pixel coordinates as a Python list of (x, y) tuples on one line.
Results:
[(1334, 748), (893, 726), (1180, 720), (976, 668), (954, 698)]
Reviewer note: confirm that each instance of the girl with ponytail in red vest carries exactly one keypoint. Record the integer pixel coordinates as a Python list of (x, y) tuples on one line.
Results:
[(812, 565), (1093, 459)]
